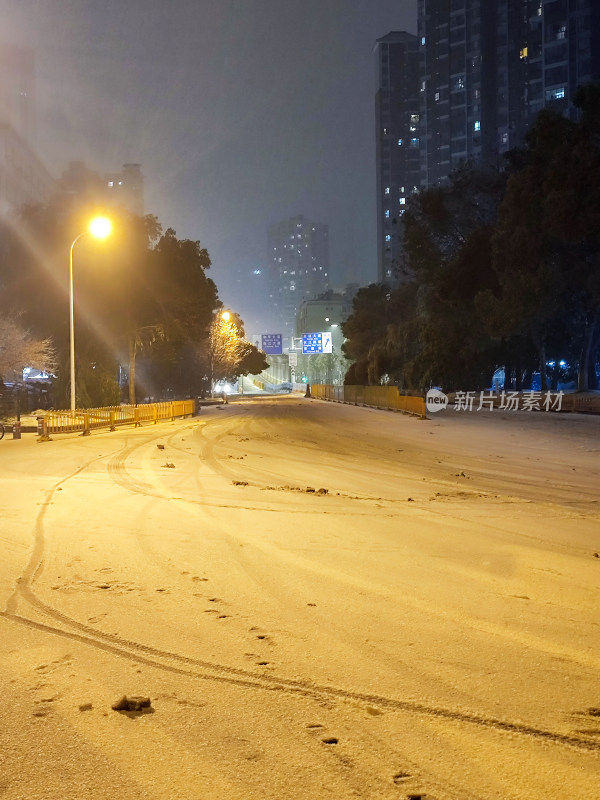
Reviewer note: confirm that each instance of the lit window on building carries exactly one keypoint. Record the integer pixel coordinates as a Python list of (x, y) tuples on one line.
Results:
[(477, 125), (523, 52), (436, 97), (402, 201), (387, 190), (388, 238), (422, 41), (400, 142), (387, 213), (414, 142)]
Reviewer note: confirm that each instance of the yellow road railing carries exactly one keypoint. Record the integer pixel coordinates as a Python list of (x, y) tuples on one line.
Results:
[(585, 403), (88, 419), (388, 397)]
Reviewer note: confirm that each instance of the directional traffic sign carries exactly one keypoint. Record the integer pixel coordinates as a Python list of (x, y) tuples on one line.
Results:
[(316, 343), (272, 344)]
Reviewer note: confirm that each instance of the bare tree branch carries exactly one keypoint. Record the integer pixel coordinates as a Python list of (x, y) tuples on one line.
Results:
[(18, 349)]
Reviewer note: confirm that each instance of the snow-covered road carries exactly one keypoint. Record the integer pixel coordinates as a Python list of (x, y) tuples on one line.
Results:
[(320, 601)]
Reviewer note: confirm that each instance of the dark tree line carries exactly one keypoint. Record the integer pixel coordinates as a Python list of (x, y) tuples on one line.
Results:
[(505, 271), (143, 304)]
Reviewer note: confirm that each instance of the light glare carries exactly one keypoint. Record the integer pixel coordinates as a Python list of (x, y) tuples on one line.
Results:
[(100, 227)]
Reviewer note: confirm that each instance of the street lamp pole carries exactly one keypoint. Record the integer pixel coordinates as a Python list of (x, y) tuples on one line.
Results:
[(72, 319), (100, 228)]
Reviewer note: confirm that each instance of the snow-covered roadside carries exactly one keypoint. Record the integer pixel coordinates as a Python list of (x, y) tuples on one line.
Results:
[(443, 589)]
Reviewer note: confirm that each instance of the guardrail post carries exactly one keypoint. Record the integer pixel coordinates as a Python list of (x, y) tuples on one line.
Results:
[(111, 420), (86, 425), (42, 429), (136, 417), (155, 414)]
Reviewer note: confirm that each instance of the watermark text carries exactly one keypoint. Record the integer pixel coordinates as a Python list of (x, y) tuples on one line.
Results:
[(436, 400)]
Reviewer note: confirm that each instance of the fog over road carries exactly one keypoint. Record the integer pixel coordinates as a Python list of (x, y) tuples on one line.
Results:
[(320, 601)]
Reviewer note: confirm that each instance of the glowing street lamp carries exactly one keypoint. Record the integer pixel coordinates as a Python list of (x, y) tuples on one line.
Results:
[(99, 228)]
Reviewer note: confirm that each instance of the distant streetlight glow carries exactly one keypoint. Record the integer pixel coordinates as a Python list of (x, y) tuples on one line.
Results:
[(226, 316), (99, 228)]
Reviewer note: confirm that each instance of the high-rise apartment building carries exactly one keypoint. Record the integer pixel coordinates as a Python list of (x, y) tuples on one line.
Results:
[(126, 188), (397, 116), (454, 84), (298, 266), (17, 82), (23, 177), (118, 189), (467, 88), (488, 66)]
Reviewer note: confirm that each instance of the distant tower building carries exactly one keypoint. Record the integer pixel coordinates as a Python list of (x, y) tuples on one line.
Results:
[(81, 184), (397, 115), (325, 315), (487, 68), (17, 84), (299, 266), (126, 188), (458, 95), (24, 179)]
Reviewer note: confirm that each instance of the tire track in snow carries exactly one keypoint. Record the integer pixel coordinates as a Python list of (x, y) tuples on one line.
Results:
[(206, 670), (247, 679), (35, 564)]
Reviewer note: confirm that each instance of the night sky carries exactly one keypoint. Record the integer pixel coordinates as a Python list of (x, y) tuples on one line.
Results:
[(241, 112)]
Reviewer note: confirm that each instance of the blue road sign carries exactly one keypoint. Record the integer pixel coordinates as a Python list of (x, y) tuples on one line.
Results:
[(272, 344), (316, 343)]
